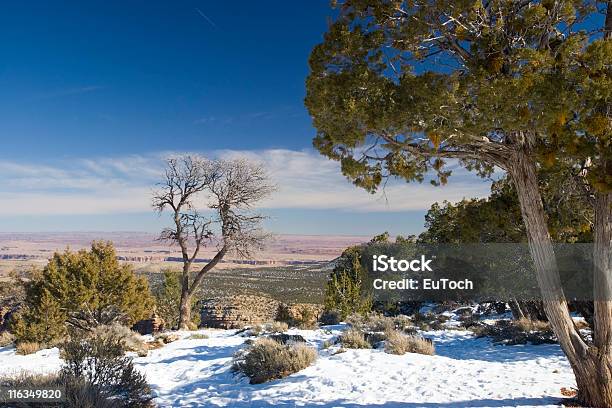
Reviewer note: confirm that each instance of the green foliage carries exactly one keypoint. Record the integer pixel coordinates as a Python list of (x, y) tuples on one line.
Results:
[(345, 290), (81, 289), (570, 217), (508, 74), (168, 299)]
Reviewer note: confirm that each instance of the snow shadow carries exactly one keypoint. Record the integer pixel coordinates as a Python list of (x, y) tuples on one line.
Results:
[(462, 347)]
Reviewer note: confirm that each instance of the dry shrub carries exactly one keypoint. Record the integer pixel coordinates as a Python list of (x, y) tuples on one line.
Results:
[(276, 327), (28, 347), (400, 343), (528, 325), (198, 336), (130, 340), (95, 376), (6, 338), (267, 359), (166, 338), (78, 393), (521, 331), (100, 363), (373, 322), (354, 339)]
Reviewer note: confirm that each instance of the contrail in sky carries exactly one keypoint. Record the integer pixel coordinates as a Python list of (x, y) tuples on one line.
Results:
[(206, 18)]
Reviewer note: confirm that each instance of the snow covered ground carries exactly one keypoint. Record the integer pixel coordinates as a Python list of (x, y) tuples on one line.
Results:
[(465, 372)]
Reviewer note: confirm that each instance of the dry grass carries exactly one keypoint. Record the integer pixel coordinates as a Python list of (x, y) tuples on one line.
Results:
[(130, 340), (354, 339), (166, 338), (276, 327), (400, 343), (528, 325), (267, 359), (198, 336), (28, 347), (6, 339)]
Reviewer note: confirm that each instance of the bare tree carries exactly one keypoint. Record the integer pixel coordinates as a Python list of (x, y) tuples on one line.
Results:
[(227, 191)]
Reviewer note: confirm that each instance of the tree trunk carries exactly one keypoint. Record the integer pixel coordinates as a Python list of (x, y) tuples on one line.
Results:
[(599, 392), (185, 305), (591, 367), (184, 311)]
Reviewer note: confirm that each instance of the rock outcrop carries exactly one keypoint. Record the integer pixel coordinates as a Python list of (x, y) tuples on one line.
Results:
[(235, 312)]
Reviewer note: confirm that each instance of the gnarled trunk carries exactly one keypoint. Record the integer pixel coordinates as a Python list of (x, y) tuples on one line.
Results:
[(185, 305), (599, 390), (591, 365)]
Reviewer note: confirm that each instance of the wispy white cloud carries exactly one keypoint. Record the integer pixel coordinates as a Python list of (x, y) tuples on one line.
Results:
[(124, 184)]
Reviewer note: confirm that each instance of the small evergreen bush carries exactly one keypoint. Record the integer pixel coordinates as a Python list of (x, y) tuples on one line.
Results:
[(267, 359), (345, 290)]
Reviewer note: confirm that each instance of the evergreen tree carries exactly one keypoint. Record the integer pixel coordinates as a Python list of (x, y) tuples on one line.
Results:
[(398, 87), (345, 291), (168, 299), (82, 289)]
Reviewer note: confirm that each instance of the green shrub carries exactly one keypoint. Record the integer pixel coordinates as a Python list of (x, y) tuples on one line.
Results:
[(329, 317), (267, 359), (400, 343), (354, 339), (168, 298), (81, 289), (345, 290), (100, 363)]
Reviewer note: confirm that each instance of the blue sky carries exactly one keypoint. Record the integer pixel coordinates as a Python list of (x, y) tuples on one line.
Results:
[(94, 94)]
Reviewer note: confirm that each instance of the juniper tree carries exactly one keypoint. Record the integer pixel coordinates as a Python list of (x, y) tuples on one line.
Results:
[(228, 190), (397, 88), (82, 290)]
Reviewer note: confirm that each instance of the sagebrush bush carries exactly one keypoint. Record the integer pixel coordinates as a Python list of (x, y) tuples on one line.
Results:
[(276, 327), (100, 363), (78, 393), (354, 339), (6, 338), (400, 343), (166, 338), (81, 289), (198, 336), (372, 322), (27, 347), (130, 340), (267, 359), (520, 331), (528, 325)]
